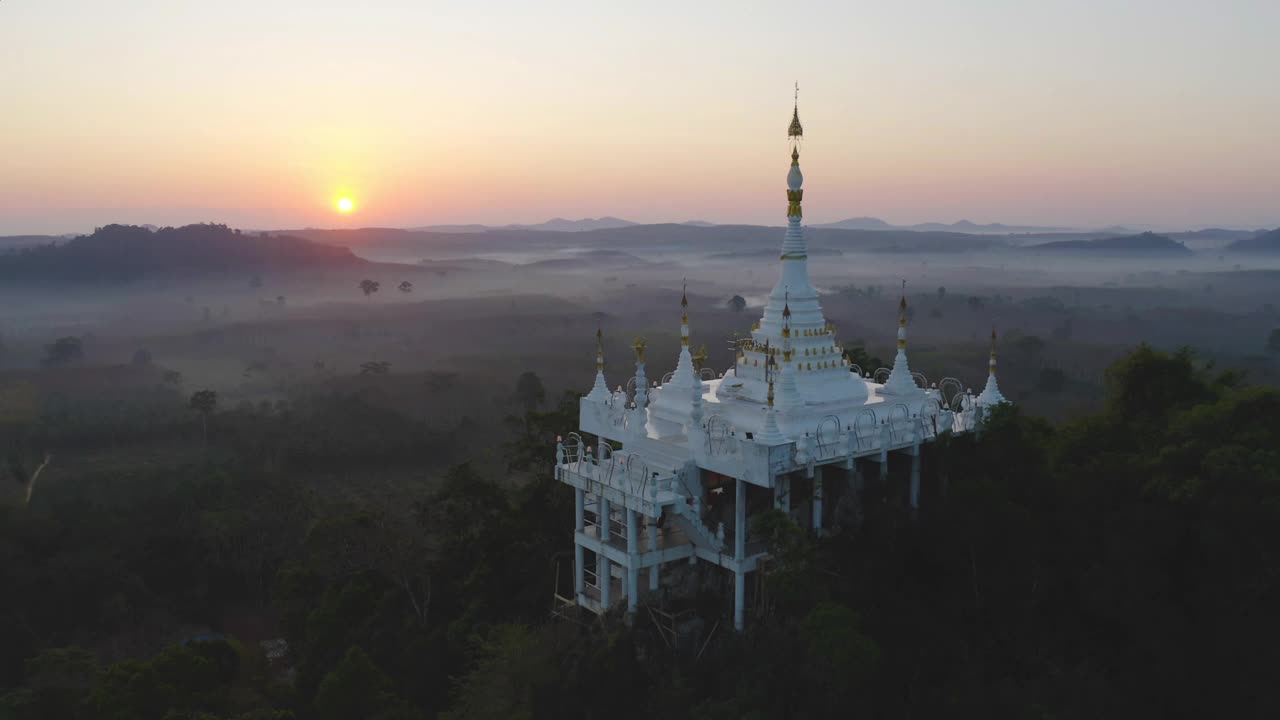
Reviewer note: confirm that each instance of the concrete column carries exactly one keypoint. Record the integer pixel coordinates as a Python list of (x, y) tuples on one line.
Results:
[(915, 479), (739, 554), (604, 569), (782, 493), (579, 512), (653, 547), (579, 515), (740, 521), (633, 560), (739, 598), (817, 499), (579, 576)]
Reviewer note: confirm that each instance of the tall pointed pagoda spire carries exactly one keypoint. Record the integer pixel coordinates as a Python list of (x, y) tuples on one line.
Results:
[(900, 381), (991, 394), (813, 375), (599, 391)]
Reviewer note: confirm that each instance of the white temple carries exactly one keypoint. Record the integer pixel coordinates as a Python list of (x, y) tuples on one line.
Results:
[(790, 424)]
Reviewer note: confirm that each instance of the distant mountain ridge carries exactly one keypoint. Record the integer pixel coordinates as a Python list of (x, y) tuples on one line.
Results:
[(123, 253), (1147, 242), (556, 224), (1264, 242), (964, 226)]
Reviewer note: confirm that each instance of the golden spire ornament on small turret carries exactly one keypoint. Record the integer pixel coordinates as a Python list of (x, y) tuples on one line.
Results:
[(700, 358)]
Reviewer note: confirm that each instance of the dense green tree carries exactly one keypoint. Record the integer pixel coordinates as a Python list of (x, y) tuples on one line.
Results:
[(204, 403), (356, 688), (529, 391)]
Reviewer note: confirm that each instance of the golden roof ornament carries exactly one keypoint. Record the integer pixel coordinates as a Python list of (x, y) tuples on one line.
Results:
[(638, 346), (700, 358), (796, 130), (599, 349)]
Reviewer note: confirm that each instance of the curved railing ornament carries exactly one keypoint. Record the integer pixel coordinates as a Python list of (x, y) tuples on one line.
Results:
[(882, 371), (899, 422), (930, 412), (949, 387), (921, 380), (667, 378), (719, 438), (864, 428), (607, 460), (637, 472), (856, 368), (573, 451), (827, 434)]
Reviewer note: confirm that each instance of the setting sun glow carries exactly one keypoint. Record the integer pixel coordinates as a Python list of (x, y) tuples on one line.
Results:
[(345, 205)]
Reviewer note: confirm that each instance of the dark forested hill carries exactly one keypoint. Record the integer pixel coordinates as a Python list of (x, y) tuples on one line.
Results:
[(1267, 242), (1147, 242), (122, 253)]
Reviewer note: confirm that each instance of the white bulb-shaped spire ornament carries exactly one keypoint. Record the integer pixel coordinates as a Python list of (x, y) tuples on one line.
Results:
[(991, 395)]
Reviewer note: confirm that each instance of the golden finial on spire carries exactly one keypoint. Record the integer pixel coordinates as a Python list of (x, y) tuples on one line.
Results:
[(599, 349), (638, 346), (796, 131)]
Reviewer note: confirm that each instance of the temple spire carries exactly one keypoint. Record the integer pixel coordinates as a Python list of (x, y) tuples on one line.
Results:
[(790, 393), (991, 394), (900, 381), (599, 391), (769, 433), (684, 314)]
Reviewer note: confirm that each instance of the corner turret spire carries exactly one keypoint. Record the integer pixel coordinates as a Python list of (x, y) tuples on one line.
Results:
[(599, 391), (900, 381), (991, 394)]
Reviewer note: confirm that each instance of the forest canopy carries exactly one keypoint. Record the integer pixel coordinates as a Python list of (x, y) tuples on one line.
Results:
[(1122, 564)]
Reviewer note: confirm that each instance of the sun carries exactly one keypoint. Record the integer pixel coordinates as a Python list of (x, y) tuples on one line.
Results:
[(345, 205)]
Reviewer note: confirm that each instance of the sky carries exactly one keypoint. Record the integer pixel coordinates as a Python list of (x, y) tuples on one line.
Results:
[(262, 113)]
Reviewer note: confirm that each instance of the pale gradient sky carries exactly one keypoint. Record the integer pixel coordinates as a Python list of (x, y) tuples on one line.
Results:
[(259, 113)]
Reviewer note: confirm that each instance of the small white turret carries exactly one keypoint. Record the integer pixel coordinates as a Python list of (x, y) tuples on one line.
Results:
[(788, 393), (900, 383), (599, 391), (991, 395), (640, 414)]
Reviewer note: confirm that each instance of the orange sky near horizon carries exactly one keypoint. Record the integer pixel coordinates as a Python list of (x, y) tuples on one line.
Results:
[(261, 114)]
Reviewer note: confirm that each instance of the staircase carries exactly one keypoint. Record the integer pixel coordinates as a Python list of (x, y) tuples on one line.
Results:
[(693, 528)]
